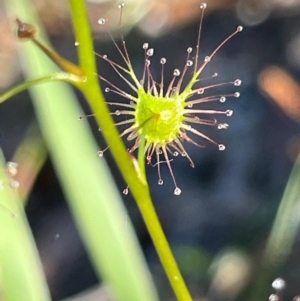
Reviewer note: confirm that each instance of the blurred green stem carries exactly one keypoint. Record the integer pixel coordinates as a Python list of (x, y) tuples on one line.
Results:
[(282, 235), (21, 273)]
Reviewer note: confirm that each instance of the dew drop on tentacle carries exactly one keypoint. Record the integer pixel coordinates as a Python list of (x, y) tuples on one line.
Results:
[(273, 297), (229, 113), (177, 191), (279, 284), (189, 63), (237, 94), (176, 72), (150, 52), (100, 153), (189, 50), (107, 90), (160, 182), (76, 43), (221, 147), (200, 91), (239, 28), (237, 82), (121, 5), (163, 60), (203, 5), (222, 99), (125, 191), (145, 46), (175, 154)]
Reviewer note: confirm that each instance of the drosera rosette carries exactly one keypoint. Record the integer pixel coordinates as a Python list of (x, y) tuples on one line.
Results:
[(162, 116)]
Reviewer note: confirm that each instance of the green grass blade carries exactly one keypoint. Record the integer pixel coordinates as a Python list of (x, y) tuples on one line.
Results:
[(282, 235), (21, 272)]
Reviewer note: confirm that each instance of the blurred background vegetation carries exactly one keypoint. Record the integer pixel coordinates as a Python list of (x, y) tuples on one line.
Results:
[(219, 226)]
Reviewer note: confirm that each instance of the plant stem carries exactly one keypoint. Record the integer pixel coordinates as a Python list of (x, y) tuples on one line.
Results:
[(70, 78), (141, 157), (139, 189)]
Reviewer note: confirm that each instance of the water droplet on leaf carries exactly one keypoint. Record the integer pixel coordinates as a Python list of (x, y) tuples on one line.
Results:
[(14, 184), (12, 168)]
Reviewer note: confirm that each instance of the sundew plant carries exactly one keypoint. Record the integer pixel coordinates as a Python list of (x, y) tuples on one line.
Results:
[(162, 117)]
